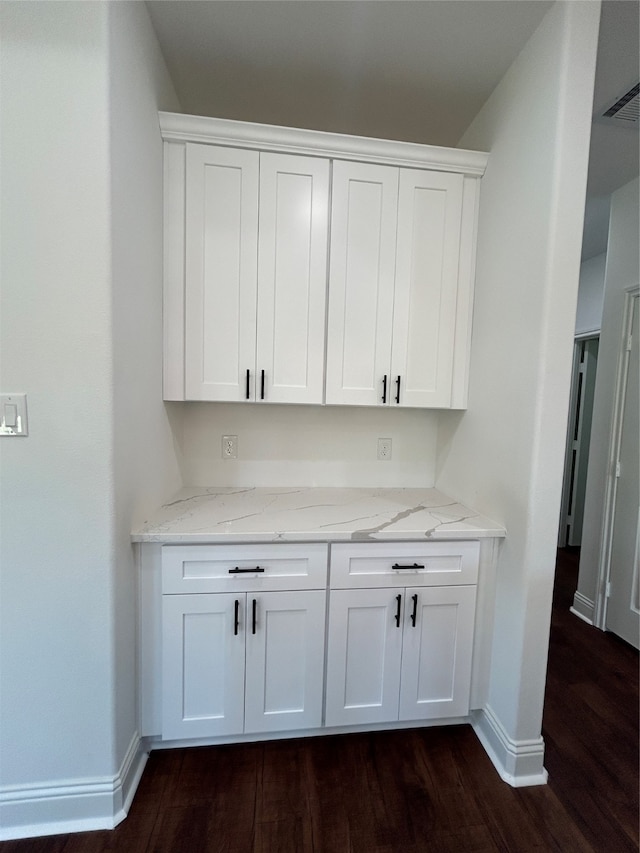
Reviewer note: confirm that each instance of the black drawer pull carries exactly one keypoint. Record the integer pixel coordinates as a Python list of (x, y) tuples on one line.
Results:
[(238, 571), (414, 566), (399, 600)]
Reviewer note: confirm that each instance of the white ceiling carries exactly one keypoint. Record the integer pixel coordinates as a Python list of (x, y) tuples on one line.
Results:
[(417, 70)]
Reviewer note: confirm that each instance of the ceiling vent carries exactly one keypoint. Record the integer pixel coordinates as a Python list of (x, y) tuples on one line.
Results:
[(626, 110)]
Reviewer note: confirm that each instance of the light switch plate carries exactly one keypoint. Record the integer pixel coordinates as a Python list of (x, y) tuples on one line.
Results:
[(13, 414)]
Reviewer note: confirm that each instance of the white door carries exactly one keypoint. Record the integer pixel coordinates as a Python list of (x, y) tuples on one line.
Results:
[(292, 278), (437, 652), (426, 285), (220, 272), (364, 648), (361, 280), (623, 605), (284, 660), (203, 640)]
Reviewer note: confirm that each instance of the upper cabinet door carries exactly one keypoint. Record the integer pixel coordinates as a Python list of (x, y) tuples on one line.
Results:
[(426, 283), (292, 278), (361, 282), (221, 226)]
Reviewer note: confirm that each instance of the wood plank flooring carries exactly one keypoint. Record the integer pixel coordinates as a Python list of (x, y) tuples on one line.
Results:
[(407, 792)]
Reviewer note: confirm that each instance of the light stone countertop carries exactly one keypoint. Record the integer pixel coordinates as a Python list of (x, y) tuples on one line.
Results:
[(288, 514)]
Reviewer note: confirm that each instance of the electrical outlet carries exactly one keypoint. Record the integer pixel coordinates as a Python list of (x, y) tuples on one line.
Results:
[(229, 446), (384, 449)]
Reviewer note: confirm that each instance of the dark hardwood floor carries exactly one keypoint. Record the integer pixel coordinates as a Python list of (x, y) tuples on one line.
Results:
[(403, 792)]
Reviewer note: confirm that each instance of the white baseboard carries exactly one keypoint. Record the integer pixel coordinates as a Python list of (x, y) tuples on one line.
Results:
[(583, 607), (82, 805), (519, 763)]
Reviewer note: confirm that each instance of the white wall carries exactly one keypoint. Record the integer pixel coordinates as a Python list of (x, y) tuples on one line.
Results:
[(504, 456), (57, 483), (81, 331), (621, 273), (590, 295), (307, 445), (145, 466)]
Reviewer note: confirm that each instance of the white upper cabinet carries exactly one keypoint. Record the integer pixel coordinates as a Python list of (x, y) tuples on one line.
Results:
[(361, 273), (221, 253), (426, 285), (255, 275), (394, 271), (252, 250), (292, 278)]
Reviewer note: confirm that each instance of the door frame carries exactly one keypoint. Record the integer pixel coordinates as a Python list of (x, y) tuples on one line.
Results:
[(576, 413), (604, 568)]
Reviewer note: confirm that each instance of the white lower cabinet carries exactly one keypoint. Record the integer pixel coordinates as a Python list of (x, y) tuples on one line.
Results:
[(246, 660), (243, 636), (284, 661), (400, 652), (242, 663), (437, 646), (202, 667)]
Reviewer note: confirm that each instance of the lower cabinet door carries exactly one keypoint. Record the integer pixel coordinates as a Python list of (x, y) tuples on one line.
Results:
[(203, 665), (284, 660), (437, 652), (363, 658)]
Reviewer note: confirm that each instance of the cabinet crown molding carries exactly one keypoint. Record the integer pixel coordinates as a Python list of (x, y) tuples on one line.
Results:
[(177, 127)]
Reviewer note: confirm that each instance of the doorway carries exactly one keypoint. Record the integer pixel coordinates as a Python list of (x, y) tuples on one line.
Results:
[(583, 380)]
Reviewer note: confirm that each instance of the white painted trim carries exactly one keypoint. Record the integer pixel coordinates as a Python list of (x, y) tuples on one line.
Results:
[(604, 567), (173, 291), (519, 762), (465, 292), (78, 805), (266, 137), (156, 742), (583, 607), (485, 618)]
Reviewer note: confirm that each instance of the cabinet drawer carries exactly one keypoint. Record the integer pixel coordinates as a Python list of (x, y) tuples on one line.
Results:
[(384, 564), (243, 568)]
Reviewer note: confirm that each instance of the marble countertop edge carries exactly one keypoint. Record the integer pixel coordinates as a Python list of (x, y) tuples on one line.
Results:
[(312, 514)]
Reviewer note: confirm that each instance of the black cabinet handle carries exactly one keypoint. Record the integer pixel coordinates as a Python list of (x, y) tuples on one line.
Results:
[(399, 600), (384, 388), (414, 598), (253, 616), (398, 390), (262, 384), (238, 571), (236, 617), (414, 566), (247, 385)]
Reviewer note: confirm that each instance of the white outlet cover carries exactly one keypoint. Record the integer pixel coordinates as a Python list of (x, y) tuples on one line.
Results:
[(384, 449), (229, 446)]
